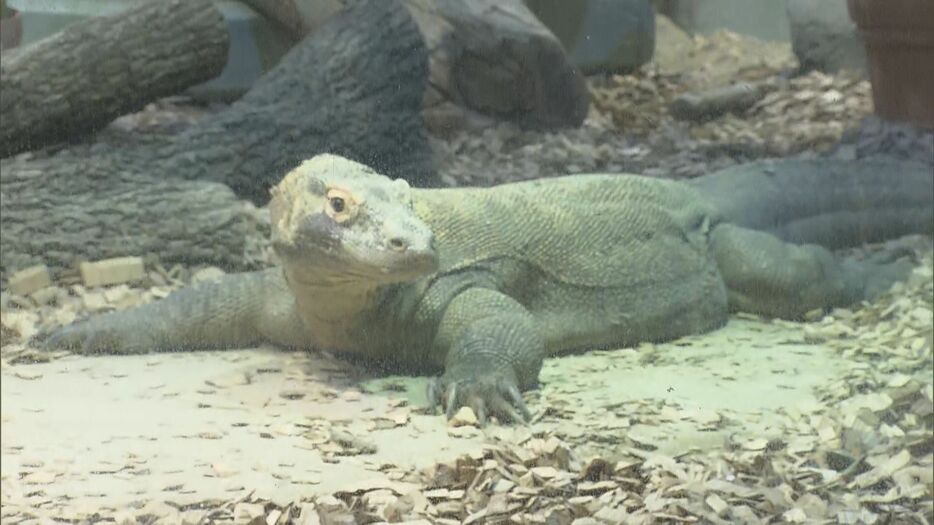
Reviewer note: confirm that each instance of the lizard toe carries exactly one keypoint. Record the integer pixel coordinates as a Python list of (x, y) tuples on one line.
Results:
[(515, 397), (450, 403), (478, 405), (488, 397)]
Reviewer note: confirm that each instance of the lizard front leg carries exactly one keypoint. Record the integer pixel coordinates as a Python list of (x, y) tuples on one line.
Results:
[(232, 311), (493, 353)]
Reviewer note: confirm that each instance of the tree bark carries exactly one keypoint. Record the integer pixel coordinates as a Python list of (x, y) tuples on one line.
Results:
[(714, 102), (298, 17), (489, 57), (77, 81), (353, 88), (499, 59), (74, 207)]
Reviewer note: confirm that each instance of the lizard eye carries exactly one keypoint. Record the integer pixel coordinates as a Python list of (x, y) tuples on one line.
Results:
[(341, 205)]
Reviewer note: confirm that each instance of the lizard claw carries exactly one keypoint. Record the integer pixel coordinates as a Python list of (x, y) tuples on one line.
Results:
[(496, 396)]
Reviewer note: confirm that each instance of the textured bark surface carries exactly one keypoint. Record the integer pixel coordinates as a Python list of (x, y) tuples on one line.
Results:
[(298, 17), (77, 81), (72, 207), (495, 57), (714, 102), (354, 88), (492, 57)]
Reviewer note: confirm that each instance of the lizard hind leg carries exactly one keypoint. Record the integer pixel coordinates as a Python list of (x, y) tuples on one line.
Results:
[(765, 275)]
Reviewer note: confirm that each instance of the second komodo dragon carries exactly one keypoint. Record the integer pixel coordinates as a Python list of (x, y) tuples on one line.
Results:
[(482, 283)]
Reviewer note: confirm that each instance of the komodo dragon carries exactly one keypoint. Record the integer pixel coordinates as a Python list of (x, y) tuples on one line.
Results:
[(483, 283)]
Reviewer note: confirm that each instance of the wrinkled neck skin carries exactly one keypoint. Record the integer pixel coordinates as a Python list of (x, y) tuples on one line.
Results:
[(333, 305), (330, 296)]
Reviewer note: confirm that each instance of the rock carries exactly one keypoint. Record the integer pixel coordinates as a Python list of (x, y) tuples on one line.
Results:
[(206, 274), (308, 515), (717, 504), (248, 511), (343, 518), (112, 271), (823, 36), (601, 36), (544, 472), (464, 417), (29, 280), (48, 296), (611, 515), (674, 45)]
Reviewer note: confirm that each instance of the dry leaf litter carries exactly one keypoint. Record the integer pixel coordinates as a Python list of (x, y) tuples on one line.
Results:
[(630, 128), (863, 454)]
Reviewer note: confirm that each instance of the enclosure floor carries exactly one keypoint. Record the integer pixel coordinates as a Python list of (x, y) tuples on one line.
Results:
[(114, 431)]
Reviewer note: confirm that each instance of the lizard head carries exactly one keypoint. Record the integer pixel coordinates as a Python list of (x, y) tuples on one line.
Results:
[(338, 219)]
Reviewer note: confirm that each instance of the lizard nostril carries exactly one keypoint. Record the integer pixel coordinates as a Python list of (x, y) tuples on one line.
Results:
[(397, 244)]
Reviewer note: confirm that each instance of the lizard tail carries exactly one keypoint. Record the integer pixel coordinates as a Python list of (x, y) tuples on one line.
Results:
[(833, 203)]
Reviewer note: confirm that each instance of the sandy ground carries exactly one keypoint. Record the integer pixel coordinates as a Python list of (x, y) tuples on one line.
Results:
[(103, 434), (109, 431)]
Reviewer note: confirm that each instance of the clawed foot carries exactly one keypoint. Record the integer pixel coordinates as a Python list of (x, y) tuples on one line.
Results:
[(488, 396)]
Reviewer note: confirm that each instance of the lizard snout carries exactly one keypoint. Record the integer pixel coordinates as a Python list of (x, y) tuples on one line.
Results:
[(408, 237), (408, 247)]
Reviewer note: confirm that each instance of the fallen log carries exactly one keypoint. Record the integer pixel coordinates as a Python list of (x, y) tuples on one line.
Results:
[(353, 88), (712, 103), (78, 80), (490, 57), (495, 57), (297, 17), (58, 212)]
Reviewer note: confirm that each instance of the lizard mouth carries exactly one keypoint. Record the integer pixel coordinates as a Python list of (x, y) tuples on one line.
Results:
[(376, 265), (391, 265)]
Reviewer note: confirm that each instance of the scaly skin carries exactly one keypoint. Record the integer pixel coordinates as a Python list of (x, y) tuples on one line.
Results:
[(481, 284)]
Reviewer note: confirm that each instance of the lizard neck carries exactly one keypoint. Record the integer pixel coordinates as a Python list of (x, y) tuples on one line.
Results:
[(333, 307)]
